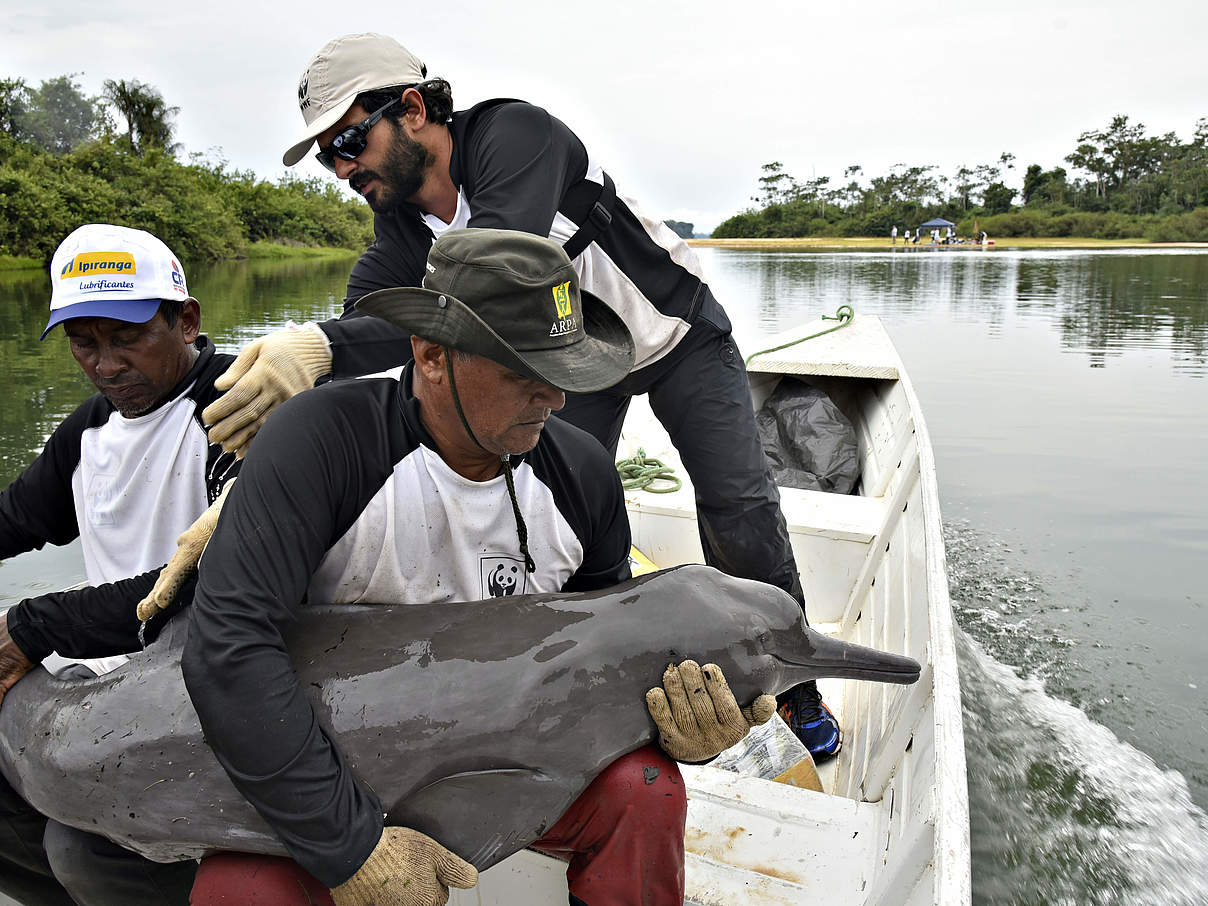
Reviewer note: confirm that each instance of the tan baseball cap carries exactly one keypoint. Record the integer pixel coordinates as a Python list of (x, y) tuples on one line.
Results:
[(341, 70)]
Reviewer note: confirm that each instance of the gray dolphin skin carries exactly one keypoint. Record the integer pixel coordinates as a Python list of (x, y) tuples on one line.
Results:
[(476, 723)]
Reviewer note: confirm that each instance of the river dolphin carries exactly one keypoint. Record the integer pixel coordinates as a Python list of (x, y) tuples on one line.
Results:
[(476, 723)]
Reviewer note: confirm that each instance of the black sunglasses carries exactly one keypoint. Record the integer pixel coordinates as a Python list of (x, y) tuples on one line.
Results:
[(350, 144)]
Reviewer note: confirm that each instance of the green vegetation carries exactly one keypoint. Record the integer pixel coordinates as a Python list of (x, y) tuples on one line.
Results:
[(17, 263), (1131, 186), (277, 251), (63, 164)]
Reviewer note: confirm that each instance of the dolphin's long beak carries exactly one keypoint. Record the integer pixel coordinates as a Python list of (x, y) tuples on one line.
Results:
[(817, 655)]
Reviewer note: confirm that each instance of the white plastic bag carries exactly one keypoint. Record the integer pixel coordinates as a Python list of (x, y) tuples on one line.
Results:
[(767, 751)]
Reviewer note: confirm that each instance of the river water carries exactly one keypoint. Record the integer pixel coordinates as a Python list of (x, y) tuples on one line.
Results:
[(1066, 394)]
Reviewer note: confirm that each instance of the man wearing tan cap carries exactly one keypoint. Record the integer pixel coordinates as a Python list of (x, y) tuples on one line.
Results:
[(381, 124)]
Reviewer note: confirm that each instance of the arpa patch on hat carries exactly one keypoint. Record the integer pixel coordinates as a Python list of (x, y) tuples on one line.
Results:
[(514, 298), (342, 69), (106, 271)]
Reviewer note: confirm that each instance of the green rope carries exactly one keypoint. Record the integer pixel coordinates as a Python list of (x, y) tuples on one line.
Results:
[(639, 472), (843, 315)]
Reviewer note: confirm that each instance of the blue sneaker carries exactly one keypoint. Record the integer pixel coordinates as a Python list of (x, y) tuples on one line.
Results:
[(810, 720)]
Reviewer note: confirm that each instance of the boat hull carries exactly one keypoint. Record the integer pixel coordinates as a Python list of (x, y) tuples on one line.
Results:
[(893, 827)]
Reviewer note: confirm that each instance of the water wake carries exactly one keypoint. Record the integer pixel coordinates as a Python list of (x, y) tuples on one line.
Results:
[(1062, 811)]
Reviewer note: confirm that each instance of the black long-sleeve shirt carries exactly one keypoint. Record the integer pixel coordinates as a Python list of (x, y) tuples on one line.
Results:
[(517, 167), (127, 487), (91, 622), (343, 498)]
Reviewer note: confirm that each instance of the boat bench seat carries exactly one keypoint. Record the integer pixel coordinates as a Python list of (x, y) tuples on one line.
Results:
[(748, 840), (831, 535), (844, 517)]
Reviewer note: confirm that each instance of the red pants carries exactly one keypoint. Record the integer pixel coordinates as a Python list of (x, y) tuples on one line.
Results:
[(624, 838)]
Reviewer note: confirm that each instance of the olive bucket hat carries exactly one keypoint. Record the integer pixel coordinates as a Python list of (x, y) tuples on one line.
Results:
[(514, 298)]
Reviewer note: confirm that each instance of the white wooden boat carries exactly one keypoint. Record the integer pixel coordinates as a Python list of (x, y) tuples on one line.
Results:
[(893, 826)]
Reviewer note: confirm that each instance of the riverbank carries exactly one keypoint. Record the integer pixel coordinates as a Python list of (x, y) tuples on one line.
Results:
[(18, 263), (878, 243), (265, 250), (282, 250)]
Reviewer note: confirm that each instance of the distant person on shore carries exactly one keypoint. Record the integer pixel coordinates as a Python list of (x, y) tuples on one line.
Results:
[(893, 235), (127, 472), (381, 124)]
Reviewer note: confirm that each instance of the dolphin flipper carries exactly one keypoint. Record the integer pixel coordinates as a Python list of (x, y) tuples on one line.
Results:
[(512, 808)]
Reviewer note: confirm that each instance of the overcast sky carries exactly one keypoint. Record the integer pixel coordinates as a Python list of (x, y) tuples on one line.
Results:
[(681, 101)]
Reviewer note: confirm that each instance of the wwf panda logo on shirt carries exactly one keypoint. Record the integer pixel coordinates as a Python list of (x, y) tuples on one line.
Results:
[(502, 576)]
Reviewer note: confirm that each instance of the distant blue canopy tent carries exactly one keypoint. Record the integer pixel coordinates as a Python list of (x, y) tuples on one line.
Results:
[(937, 222)]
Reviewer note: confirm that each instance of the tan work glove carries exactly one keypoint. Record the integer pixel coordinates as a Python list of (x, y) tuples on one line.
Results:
[(406, 868), (13, 662), (697, 715), (189, 547), (267, 372)]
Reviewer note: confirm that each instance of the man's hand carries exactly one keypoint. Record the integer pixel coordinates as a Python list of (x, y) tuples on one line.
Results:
[(13, 662), (267, 372), (697, 715), (189, 547), (406, 868)]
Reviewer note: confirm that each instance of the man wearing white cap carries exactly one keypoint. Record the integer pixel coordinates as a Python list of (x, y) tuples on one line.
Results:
[(127, 472), (392, 133)]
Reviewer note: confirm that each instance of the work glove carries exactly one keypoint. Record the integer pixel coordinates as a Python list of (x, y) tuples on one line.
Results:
[(189, 547), (406, 868), (697, 715), (267, 372), (13, 662)]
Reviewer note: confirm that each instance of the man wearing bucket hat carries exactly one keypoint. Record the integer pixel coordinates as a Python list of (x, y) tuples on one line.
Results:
[(127, 472), (448, 482), (381, 124)]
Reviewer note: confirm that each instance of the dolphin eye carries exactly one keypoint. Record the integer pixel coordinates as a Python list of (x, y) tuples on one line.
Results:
[(764, 637)]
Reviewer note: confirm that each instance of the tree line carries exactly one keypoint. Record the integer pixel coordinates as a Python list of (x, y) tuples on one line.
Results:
[(1122, 183), (67, 158)]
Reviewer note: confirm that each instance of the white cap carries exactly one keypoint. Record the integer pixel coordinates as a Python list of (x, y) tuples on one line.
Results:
[(106, 271), (341, 70)]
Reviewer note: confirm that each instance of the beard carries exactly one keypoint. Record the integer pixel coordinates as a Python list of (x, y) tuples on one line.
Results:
[(401, 176), (132, 398)]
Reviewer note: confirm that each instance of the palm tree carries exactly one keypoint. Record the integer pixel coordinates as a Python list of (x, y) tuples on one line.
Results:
[(147, 115), (14, 103)]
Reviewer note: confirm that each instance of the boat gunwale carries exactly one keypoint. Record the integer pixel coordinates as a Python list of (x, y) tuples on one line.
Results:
[(953, 876)]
